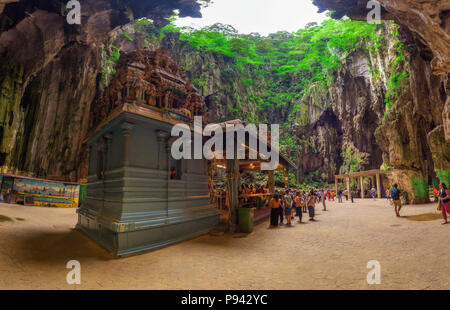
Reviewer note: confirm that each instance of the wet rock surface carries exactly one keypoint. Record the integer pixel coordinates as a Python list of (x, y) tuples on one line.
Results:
[(430, 20), (50, 77), (52, 73)]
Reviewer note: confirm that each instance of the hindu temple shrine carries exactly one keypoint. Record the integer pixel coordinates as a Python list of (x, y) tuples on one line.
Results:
[(138, 198)]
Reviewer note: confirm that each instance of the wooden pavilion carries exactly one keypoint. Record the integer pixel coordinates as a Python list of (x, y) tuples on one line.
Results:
[(235, 166), (375, 176)]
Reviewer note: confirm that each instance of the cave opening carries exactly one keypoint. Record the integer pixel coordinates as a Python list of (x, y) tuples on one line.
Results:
[(368, 141)]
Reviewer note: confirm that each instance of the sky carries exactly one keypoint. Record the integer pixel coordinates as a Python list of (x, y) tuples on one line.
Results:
[(262, 16)]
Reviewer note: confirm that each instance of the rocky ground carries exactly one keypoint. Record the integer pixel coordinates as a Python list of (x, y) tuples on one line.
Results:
[(332, 253)]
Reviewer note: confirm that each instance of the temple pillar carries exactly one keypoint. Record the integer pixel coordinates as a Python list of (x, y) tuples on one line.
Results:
[(162, 138), (347, 180), (361, 183), (108, 139), (378, 186), (127, 129), (336, 184)]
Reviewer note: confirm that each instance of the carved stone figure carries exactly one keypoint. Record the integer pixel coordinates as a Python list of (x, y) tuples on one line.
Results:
[(152, 79)]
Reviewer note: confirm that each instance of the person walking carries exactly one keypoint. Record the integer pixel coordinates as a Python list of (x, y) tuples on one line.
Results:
[(373, 192), (294, 204), (281, 210), (339, 195), (287, 207), (304, 202), (274, 206), (8, 196), (311, 205), (323, 194), (351, 195), (444, 197), (299, 203), (395, 194)]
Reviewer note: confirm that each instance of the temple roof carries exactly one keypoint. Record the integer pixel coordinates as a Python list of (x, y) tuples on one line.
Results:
[(152, 80)]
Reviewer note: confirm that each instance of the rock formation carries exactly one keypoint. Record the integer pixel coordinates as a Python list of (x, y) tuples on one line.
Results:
[(51, 73), (414, 134), (430, 20), (50, 76)]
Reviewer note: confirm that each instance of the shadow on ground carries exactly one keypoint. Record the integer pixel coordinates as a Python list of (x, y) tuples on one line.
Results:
[(425, 217), (54, 247), (4, 218)]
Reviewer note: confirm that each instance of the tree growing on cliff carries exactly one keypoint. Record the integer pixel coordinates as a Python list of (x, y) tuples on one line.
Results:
[(354, 160)]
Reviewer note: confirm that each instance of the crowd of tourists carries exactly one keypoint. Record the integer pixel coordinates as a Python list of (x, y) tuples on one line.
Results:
[(289, 205), (293, 203)]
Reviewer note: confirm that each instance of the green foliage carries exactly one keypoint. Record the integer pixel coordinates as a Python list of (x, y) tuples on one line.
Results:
[(126, 35), (384, 167), (110, 58), (420, 187), (376, 74), (398, 77), (354, 160), (306, 59), (283, 73), (444, 176)]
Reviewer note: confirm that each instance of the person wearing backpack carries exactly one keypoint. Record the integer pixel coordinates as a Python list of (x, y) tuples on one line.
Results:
[(395, 194)]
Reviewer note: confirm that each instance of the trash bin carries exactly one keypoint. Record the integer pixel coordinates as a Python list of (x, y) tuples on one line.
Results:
[(246, 219)]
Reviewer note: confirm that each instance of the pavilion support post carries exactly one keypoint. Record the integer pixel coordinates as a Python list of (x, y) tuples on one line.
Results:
[(336, 184), (361, 183), (347, 180), (233, 191), (378, 186), (270, 183)]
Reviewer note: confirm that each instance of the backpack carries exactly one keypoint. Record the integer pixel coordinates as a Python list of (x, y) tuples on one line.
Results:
[(395, 193)]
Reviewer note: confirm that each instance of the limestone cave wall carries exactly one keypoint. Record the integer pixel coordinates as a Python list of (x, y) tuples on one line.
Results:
[(413, 133), (50, 74)]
